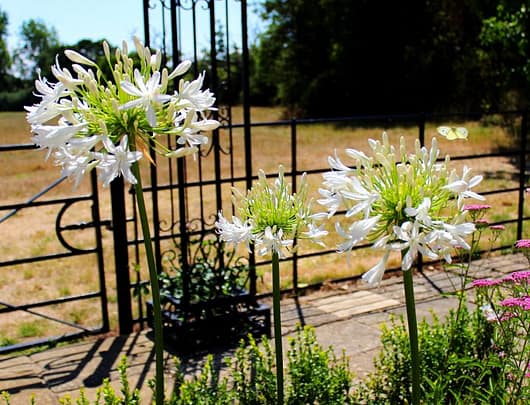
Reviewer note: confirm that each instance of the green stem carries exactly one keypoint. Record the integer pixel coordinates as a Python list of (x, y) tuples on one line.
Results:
[(277, 325), (413, 335), (155, 290)]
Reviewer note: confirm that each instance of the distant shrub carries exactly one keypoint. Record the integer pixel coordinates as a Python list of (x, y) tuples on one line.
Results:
[(16, 100)]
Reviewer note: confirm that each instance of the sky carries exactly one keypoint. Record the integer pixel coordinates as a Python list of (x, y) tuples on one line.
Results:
[(118, 20)]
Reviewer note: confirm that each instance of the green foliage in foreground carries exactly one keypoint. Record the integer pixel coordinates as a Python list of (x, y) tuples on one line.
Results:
[(459, 365), (314, 376)]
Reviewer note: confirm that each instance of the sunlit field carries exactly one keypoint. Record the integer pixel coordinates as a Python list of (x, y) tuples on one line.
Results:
[(31, 232)]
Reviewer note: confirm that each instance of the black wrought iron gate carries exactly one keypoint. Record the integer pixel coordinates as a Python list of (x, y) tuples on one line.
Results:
[(185, 197), (187, 194), (52, 263)]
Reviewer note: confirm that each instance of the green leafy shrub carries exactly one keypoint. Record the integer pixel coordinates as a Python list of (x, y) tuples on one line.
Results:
[(253, 372), (456, 361), (315, 376), (208, 276), (204, 389)]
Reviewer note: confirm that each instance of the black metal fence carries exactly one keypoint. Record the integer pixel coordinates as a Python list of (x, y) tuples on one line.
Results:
[(27, 303), (186, 196), (201, 188)]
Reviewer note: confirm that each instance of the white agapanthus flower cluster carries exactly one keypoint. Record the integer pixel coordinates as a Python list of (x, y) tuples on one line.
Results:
[(88, 121), (271, 217), (411, 203)]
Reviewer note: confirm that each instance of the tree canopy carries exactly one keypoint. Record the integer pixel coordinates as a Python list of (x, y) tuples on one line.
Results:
[(341, 57), (335, 57), (5, 58)]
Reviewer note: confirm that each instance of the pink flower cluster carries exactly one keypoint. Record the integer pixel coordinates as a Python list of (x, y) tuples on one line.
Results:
[(521, 302), (476, 207), (523, 244), (516, 277), (497, 227), (485, 282)]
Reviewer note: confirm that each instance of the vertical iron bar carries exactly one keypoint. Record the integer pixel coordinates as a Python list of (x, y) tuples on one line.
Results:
[(421, 137), (194, 25), (228, 117), (294, 170), (421, 129), (522, 173), (99, 252), (153, 170), (181, 179), (246, 126), (214, 84), (175, 52), (121, 255), (146, 22)]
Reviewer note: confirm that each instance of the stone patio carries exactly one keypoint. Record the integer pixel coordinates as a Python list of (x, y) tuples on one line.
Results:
[(346, 316)]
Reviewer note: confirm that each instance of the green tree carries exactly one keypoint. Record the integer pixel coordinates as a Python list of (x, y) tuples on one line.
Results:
[(5, 58), (336, 57), (39, 47), (294, 50), (228, 60), (14, 93), (504, 55)]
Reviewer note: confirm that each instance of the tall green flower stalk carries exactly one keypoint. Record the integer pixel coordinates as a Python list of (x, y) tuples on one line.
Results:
[(404, 202), (88, 121), (270, 218)]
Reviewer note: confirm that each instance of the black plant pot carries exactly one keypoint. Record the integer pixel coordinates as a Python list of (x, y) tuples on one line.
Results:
[(221, 321)]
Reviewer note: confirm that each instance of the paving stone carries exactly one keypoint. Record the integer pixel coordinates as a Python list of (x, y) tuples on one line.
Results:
[(20, 378), (347, 319)]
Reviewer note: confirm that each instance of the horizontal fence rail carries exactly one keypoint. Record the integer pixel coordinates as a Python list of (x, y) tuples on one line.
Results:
[(190, 188), (42, 310), (186, 196)]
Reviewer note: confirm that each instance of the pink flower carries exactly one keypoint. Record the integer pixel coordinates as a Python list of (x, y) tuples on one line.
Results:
[(521, 302), (506, 316), (497, 227), (476, 207), (481, 223), (523, 244), (518, 276), (484, 282)]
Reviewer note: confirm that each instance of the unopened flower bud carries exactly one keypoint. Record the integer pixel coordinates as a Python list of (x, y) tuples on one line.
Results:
[(78, 58), (139, 46), (181, 152), (106, 50), (180, 69), (125, 48), (156, 60)]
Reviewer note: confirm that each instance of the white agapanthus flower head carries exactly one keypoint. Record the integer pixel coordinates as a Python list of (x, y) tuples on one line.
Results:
[(87, 120), (399, 201), (270, 217)]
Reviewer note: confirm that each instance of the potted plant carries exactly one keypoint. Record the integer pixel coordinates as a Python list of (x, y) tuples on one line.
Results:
[(209, 304)]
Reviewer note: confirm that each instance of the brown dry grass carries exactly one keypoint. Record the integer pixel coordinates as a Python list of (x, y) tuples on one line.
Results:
[(32, 231)]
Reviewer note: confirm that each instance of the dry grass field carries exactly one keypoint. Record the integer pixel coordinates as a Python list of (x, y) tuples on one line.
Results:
[(31, 232)]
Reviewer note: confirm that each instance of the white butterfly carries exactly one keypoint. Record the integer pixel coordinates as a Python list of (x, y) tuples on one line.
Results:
[(452, 133)]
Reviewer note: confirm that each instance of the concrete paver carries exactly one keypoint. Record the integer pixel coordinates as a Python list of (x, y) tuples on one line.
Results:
[(348, 318)]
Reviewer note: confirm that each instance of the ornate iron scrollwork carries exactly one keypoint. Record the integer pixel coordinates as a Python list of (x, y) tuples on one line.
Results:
[(61, 229)]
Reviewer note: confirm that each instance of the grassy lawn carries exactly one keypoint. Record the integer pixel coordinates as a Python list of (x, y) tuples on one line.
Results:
[(32, 231)]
